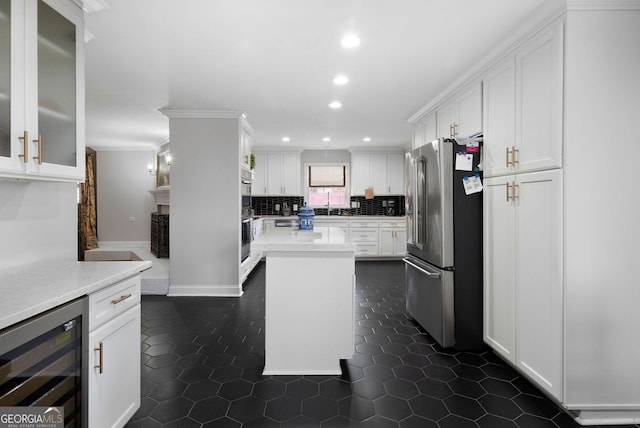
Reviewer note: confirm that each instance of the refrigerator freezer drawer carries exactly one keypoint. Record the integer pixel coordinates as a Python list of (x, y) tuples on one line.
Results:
[(430, 300)]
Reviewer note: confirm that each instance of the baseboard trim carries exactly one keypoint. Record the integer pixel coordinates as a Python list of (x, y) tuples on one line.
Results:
[(180, 290)]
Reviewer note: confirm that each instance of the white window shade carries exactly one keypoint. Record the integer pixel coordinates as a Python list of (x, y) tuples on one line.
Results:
[(327, 176)]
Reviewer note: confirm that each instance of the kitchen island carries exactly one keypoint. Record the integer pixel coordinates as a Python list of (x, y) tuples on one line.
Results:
[(309, 300)]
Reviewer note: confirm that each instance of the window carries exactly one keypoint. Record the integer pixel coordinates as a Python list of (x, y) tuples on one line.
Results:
[(327, 184)]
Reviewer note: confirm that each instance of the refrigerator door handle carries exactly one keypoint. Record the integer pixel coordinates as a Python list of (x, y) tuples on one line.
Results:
[(426, 272)]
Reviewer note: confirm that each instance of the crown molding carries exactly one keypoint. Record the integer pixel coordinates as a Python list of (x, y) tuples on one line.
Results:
[(574, 5), (90, 6)]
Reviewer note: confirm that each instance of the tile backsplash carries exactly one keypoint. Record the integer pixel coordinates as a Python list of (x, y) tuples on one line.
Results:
[(379, 205)]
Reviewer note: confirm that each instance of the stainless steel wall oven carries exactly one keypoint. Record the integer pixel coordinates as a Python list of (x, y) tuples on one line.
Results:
[(246, 222)]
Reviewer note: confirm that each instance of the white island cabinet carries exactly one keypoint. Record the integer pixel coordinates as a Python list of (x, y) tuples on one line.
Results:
[(309, 298)]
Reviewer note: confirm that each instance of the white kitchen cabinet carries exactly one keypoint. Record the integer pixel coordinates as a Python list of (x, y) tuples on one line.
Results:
[(523, 100), (42, 105), (425, 131), (499, 98), (461, 116), (392, 241), (523, 274), (364, 232), (384, 172), (499, 268), (259, 185), (276, 174), (114, 354), (245, 146), (395, 173)]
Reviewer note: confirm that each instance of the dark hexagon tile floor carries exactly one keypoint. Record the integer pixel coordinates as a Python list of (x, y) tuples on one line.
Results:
[(202, 361)]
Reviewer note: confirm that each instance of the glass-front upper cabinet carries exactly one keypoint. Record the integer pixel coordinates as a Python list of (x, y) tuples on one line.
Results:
[(42, 109)]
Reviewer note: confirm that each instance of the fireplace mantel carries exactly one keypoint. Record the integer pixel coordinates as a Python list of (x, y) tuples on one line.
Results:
[(161, 195)]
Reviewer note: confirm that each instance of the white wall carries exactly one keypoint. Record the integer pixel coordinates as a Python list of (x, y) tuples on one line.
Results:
[(38, 220), (205, 207), (602, 289), (123, 185)]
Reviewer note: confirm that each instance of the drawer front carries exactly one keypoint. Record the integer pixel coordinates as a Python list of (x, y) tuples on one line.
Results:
[(330, 223), (366, 235), (363, 223), (393, 223), (112, 301), (364, 249)]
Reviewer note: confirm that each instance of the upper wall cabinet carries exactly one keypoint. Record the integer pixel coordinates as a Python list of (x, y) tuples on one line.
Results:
[(461, 116), (277, 174), (523, 107), (41, 90), (245, 146), (425, 131), (384, 172)]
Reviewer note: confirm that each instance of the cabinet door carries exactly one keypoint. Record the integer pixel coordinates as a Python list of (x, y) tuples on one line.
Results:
[(400, 242), (418, 135), (395, 173), (539, 293), (114, 360), (499, 117), (54, 101), (378, 174), (469, 109), (274, 173), (259, 185), (386, 244), (291, 174), (430, 128), (446, 118), (360, 172), (499, 266), (245, 148), (12, 149), (539, 75)]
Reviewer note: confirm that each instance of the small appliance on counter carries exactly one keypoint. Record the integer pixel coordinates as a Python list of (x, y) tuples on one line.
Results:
[(390, 208), (286, 211), (305, 215)]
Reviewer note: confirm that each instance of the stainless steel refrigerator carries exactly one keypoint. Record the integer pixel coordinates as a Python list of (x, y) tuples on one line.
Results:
[(443, 266)]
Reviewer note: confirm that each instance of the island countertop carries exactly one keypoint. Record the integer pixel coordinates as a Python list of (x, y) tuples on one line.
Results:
[(30, 289), (320, 239)]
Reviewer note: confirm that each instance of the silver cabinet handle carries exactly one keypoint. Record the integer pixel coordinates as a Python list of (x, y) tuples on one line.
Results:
[(426, 272)]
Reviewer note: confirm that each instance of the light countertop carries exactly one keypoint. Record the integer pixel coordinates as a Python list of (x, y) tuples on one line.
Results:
[(292, 239), (335, 217), (33, 288)]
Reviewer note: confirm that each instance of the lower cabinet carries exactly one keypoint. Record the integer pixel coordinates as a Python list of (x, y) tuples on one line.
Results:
[(392, 239), (523, 274), (114, 354), (366, 240)]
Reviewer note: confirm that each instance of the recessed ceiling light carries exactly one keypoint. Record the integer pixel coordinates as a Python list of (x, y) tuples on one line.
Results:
[(335, 104), (286, 139), (340, 80), (350, 41), (366, 139), (326, 139)]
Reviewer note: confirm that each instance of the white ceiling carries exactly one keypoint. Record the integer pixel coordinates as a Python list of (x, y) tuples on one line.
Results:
[(275, 61)]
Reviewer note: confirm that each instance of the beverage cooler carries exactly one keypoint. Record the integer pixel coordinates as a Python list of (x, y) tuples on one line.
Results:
[(41, 362)]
